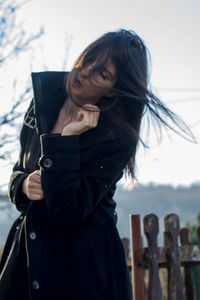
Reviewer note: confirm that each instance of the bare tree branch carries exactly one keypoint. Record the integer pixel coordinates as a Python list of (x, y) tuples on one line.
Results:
[(14, 41)]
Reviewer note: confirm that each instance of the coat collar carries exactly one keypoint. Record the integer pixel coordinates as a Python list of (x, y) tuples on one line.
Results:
[(49, 96)]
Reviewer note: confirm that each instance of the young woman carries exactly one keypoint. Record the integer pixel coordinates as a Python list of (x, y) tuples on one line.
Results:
[(79, 134)]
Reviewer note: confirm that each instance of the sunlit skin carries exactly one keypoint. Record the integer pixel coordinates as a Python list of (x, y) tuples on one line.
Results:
[(85, 92), (32, 187), (73, 120)]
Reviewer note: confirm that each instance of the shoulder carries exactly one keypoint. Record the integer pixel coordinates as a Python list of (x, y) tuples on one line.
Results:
[(107, 134)]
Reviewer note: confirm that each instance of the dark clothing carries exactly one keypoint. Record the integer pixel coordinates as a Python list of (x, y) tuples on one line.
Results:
[(14, 279), (66, 246)]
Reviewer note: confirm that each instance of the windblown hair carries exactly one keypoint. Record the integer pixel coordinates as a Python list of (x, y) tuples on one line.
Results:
[(133, 93)]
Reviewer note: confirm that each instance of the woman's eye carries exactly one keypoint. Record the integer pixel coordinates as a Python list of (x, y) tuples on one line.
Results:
[(103, 75)]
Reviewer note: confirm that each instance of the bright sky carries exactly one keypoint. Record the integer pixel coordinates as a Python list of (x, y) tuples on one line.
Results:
[(170, 29)]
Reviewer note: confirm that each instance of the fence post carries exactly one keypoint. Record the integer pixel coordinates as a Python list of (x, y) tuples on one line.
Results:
[(189, 286), (137, 270), (175, 283), (151, 229), (196, 271)]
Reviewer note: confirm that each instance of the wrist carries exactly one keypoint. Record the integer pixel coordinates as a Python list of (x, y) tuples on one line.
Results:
[(67, 133)]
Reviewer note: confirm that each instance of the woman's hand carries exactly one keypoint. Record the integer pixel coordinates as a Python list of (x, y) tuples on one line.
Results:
[(85, 120), (32, 187)]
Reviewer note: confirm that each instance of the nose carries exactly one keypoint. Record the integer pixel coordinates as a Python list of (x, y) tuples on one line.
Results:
[(85, 71)]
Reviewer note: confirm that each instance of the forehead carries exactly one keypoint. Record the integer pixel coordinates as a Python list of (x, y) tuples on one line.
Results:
[(106, 64)]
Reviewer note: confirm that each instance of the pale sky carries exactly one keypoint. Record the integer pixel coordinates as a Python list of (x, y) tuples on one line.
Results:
[(171, 31)]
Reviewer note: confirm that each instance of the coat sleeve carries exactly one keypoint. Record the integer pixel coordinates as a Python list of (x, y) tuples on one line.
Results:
[(16, 196), (74, 183)]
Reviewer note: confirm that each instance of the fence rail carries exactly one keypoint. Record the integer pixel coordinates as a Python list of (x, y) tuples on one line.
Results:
[(176, 254)]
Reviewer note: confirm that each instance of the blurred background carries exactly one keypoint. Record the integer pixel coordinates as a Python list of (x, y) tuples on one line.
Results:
[(49, 35)]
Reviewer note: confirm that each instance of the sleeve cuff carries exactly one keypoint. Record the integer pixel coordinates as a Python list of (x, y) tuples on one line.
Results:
[(16, 195), (61, 153), (57, 143)]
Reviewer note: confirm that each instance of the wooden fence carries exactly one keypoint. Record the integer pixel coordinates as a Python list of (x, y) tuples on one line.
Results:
[(177, 258)]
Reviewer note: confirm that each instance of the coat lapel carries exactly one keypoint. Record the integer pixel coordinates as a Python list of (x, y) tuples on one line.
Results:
[(49, 94)]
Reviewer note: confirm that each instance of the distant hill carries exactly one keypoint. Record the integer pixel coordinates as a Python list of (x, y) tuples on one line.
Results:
[(158, 199)]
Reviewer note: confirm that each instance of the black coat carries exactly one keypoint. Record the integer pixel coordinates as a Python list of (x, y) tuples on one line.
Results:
[(68, 240)]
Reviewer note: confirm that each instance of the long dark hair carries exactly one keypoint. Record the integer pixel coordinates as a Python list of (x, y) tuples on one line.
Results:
[(133, 94)]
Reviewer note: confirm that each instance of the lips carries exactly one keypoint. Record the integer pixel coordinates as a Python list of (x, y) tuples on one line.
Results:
[(77, 82)]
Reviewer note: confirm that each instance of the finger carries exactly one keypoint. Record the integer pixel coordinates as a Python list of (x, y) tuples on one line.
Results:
[(94, 119), (31, 188), (95, 110), (89, 118), (37, 179), (37, 172), (37, 190), (91, 107), (83, 116), (80, 116), (36, 197), (32, 193), (34, 185)]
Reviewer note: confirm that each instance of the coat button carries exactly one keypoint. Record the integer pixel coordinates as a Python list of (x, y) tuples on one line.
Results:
[(105, 186), (21, 217), (32, 235), (36, 285), (101, 167), (47, 162)]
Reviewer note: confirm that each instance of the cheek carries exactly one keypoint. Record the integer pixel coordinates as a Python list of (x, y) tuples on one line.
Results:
[(100, 91), (93, 91), (89, 92)]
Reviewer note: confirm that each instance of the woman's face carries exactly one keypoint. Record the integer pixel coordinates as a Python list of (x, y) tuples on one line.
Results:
[(91, 89)]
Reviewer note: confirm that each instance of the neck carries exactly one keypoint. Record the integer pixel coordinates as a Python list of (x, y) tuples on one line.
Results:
[(70, 108)]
